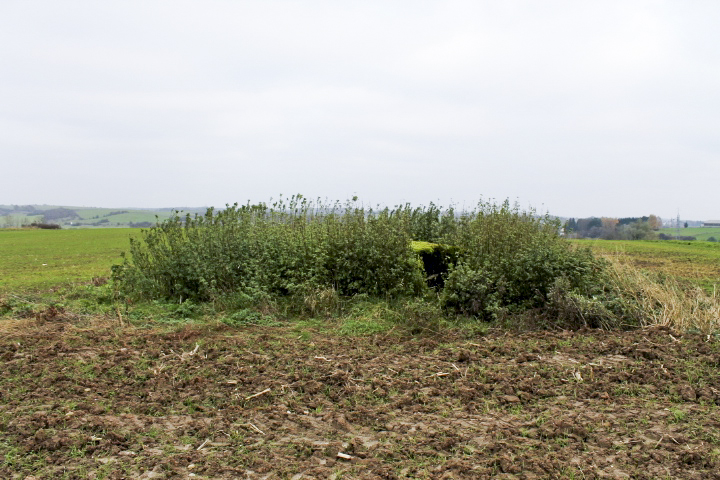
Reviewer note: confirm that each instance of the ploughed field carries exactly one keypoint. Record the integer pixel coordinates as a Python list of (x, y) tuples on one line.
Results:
[(83, 397)]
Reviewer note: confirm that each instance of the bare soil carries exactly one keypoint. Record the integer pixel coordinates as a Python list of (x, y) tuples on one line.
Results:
[(288, 402)]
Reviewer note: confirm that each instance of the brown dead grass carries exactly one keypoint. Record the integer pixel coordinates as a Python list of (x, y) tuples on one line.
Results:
[(666, 302), (60, 323)]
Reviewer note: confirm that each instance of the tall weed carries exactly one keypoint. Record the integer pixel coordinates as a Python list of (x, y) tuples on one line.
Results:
[(289, 247), (510, 260)]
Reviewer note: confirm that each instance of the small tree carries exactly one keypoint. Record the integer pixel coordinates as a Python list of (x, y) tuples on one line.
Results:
[(570, 226), (609, 227), (655, 222), (638, 230)]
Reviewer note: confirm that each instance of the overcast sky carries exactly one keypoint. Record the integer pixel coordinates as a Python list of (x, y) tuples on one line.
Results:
[(579, 108)]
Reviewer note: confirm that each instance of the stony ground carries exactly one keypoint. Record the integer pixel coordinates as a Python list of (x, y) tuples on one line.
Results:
[(102, 401)]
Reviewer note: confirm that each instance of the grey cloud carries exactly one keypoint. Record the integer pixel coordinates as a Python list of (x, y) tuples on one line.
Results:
[(605, 108)]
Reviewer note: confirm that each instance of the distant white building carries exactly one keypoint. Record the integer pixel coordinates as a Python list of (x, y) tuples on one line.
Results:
[(712, 223)]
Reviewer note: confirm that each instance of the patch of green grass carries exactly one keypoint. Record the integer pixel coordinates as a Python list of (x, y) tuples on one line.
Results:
[(248, 317), (13, 457), (571, 473), (104, 471), (76, 452), (40, 259), (677, 415), (629, 389), (562, 441), (362, 326), (188, 440), (367, 317)]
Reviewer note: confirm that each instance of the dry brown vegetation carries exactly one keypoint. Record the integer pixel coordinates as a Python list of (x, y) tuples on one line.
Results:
[(667, 301)]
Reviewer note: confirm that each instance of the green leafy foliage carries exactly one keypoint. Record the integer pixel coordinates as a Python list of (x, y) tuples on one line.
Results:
[(278, 251), (509, 261), (427, 224), (313, 259)]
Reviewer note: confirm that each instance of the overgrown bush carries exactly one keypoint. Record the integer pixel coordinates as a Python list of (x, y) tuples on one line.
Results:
[(427, 224), (510, 260), (298, 257), (288, 248)]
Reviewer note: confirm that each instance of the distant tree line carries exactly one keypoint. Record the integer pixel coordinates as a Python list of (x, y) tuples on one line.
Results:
[(628, 228)]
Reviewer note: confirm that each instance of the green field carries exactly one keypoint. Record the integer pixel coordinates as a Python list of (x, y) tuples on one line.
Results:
[(38, 259), (700, 233), (698, 262)]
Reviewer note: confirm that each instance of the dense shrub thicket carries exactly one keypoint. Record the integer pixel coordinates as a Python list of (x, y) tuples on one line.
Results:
[(283, 249), (510, 262), (493, 262)]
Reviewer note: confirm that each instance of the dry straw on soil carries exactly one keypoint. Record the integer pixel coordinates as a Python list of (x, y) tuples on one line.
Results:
[(59, 322), (665, 302), (10, 327)]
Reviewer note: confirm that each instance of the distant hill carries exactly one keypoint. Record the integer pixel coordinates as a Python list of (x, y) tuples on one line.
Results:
[(87, 217)]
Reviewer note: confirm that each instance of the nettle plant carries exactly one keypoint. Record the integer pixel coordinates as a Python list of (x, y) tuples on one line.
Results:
[(289, 246), (511, 261)]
